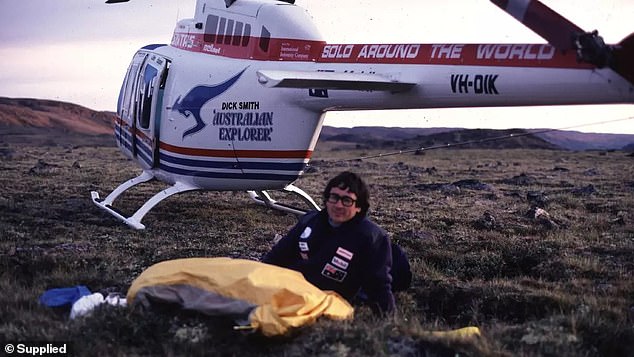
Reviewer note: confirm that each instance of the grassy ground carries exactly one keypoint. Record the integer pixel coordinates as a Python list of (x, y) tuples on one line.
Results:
[(555, 282)]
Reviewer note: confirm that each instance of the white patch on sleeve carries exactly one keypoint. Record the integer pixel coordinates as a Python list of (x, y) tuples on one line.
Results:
[(306, 233)]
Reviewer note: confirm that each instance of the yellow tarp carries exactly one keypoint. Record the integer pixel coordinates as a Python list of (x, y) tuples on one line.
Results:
[(283, 297)]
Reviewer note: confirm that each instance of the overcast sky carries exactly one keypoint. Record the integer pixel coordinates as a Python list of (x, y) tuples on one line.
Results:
[(79, 50)]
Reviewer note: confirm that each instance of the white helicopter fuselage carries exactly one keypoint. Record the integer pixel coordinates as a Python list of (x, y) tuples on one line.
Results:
[(236, 100)]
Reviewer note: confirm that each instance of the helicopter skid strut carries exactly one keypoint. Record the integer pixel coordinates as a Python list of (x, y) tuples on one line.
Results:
[(263, 198), (134, 221)]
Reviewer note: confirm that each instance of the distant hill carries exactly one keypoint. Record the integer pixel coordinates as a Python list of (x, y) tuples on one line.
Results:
[(426, 137), (574, 140), (362, 133), (444, 137), (372, 137), (39, 121), (484, 139)]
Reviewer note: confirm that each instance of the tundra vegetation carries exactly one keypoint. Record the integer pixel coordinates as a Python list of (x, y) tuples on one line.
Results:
[(534, 247)]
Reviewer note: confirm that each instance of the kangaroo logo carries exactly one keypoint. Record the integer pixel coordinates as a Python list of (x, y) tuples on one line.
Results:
[(192, 102)]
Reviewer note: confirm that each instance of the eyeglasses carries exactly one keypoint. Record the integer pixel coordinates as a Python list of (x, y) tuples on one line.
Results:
[(347, 201)]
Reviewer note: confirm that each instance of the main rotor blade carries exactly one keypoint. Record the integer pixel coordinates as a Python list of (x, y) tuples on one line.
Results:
[(544, 21), (624, 58)]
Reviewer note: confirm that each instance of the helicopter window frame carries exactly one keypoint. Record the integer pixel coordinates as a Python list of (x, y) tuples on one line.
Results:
[(122, 94), (211, 26), (229, 31), (220, 35), (265, 39), (126, 92), (237, 33), (226, 31), (146, 95), (246, 35), (128, 104)]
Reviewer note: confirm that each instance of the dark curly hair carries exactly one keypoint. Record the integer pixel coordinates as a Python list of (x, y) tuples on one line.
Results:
[(353, 183)]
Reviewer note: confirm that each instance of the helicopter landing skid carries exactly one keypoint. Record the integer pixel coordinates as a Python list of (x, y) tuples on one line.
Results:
[(263, 198), (134, 221)]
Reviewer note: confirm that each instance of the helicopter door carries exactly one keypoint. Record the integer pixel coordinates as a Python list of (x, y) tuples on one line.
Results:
[(148, 109), (126, 108)]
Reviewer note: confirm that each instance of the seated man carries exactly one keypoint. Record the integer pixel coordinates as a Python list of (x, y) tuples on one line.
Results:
[(339, 248)]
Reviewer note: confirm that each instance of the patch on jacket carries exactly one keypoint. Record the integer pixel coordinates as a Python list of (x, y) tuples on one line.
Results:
[(345, 253), (332, 272), (336, 261), (306, 233)]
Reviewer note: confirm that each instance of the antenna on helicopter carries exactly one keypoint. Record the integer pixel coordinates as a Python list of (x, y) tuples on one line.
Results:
[(115, 1)]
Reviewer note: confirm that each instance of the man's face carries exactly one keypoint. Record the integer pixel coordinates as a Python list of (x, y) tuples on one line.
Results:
[(336, 205)]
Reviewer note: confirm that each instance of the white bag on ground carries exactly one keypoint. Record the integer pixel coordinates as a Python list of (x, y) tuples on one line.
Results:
[(86, 304)]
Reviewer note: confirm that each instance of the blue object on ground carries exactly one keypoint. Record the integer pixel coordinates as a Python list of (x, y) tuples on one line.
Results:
[(63, 296)]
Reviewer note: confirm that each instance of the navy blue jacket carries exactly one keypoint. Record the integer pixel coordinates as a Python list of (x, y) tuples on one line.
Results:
[(354, 255)]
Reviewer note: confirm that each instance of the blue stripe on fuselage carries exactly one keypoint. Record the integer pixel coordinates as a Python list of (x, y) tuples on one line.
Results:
[(228, 175), (246, 165)]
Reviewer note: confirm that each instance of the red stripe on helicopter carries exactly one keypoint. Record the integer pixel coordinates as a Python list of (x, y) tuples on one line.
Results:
[(254, 48), (510, 55), (138, 133), (260, 154)]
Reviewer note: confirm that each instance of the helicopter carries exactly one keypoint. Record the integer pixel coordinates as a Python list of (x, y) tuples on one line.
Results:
[(236, 100)]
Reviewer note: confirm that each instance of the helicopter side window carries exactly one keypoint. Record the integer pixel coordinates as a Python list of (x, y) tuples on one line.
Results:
[(265, 39), (237, 34), (126, 92), (146, 95), (246, 35), (221, 30), (210, 28), (229, 32), (129, 92)]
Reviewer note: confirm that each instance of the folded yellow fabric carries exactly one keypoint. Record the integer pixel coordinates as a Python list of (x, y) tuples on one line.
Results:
[(276, 299)]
